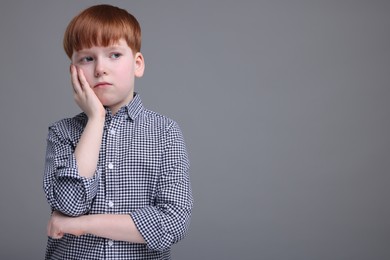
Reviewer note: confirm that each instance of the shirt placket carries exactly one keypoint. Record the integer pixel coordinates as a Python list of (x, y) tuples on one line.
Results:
[(112, 172)]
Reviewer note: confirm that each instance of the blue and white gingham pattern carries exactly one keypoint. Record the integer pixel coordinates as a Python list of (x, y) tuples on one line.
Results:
[(142, 171)]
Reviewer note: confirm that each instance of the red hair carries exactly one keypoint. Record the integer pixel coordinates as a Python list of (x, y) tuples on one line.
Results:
[(102, 25)]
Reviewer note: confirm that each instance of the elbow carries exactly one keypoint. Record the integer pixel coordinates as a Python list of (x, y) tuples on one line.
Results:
[(181, 229), (173, 232), (72, 205), (74, 211), (72, 208)]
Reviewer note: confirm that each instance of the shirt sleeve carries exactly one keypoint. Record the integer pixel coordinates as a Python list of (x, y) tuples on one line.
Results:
[(66, 191), (167, 222)]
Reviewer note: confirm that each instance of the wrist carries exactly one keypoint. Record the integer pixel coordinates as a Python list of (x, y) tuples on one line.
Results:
[(81, 225), (97, 120)]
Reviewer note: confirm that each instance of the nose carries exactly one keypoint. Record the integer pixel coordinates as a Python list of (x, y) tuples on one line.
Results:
[(100, 69)]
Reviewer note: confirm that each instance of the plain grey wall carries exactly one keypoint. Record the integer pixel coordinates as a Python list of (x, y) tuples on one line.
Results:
[(284, 105)]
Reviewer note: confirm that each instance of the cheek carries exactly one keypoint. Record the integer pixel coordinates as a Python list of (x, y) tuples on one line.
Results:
[(125, 69), (125, 74), (90, 82), (89, 76)]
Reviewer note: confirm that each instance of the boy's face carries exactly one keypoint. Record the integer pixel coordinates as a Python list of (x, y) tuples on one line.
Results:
[(110, 72)]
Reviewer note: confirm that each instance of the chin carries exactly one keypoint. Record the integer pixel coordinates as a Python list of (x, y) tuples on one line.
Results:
[(105, 102)]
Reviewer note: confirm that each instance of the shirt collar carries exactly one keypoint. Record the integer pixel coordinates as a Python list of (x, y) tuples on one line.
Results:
[(135, 107), (132, 109)]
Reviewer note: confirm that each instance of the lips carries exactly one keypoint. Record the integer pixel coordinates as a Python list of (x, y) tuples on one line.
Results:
[(102, 85)]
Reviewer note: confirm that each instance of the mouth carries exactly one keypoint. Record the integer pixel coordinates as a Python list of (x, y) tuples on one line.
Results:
[(102, 85)]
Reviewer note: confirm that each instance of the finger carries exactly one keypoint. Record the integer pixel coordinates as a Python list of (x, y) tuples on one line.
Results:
[(82, 79), (75, 81), (57, 235), (50, 227), (53, 230)]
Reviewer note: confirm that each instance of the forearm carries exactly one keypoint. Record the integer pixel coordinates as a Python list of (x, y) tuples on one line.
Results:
[(87, 149), (116, 227)]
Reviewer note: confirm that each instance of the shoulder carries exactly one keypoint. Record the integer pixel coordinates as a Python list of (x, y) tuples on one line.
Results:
[(158, 121), (167, 131)]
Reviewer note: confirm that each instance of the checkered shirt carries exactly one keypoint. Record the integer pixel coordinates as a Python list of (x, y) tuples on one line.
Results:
[(142, 171)]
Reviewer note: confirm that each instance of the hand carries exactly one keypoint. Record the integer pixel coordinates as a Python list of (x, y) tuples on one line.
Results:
[(84, 96), (60, 224)]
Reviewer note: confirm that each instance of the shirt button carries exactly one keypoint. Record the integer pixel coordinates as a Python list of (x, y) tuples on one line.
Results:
[(110, 166), (112, 131), (111, 204), (110, 242)]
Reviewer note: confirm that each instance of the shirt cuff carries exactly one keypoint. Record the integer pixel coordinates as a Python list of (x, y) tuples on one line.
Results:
[(149, 223), (89, 185)]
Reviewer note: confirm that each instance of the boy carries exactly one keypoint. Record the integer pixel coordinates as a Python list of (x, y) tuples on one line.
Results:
[(116, 175)]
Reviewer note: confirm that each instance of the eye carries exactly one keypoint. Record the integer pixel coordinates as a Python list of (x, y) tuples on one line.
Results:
[(86, 59), (116, 55)]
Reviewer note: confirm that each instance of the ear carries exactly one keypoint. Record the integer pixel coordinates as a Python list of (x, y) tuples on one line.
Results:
[(139, 65)]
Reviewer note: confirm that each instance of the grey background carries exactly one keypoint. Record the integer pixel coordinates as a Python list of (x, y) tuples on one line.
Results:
[(284, 106)]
